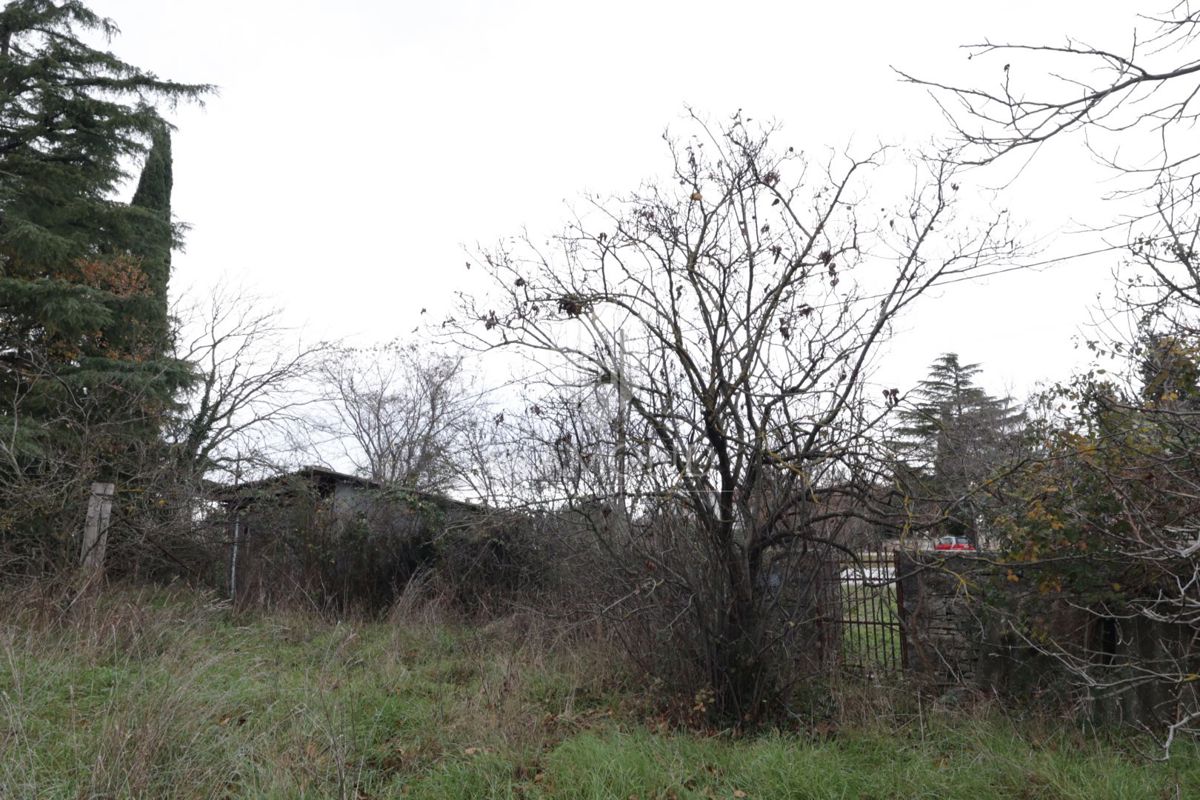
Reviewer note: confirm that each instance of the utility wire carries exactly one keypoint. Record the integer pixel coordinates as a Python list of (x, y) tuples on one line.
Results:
[(972, 276)]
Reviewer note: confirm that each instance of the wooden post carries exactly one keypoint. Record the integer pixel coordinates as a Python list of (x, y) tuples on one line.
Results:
[(237, 528), (622, 413), (233, 557), (95, 528)]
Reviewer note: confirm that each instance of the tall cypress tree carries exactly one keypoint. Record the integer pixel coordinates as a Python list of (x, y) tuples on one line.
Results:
[(155, 237), (85, 376)]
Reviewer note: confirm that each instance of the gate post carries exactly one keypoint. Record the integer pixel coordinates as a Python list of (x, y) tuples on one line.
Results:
[(903, 616), (95, 527)]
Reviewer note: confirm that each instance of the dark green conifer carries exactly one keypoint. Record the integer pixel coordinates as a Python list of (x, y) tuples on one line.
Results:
[(155, 237), (85, 372), (954, 438)]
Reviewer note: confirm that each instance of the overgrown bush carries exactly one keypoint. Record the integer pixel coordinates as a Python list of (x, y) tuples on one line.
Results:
[(653, 585), (488, 561), (363, 553)]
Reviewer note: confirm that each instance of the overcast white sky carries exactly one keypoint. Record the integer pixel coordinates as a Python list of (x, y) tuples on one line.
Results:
[(356, 147)]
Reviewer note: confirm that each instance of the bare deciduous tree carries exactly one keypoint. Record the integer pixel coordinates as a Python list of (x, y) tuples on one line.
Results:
[(253, 381), (1147, 90), (735, 312), (1135, 108), (399, 414)]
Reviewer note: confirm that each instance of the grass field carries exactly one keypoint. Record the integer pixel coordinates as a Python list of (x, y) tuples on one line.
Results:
[(162, 695)]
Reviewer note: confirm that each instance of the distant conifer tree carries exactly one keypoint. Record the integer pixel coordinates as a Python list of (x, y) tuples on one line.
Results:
[(954, 437)]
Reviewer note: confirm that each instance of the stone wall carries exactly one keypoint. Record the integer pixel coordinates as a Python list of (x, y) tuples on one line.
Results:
[(938, 625), (970, 621)]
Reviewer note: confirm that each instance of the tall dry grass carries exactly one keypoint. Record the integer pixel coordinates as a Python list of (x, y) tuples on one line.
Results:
[(166, 693), (114, 692)]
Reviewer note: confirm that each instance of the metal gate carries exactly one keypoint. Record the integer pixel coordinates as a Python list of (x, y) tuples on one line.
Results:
[(869, 618)]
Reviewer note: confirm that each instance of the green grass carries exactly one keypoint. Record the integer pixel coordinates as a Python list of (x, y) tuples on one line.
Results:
[(162, 696)]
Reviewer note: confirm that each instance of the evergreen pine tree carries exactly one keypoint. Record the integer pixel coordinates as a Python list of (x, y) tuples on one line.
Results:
[(953, 439), (85, 374)]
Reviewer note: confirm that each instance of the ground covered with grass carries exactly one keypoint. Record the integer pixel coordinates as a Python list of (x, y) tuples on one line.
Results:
[(168, 695)]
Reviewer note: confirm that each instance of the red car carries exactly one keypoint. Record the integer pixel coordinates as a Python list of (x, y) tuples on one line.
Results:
[(954, 543)]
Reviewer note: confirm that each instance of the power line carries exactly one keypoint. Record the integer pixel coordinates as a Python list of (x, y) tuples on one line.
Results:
[(1035, 265), (972, 276)]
